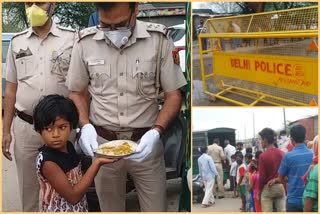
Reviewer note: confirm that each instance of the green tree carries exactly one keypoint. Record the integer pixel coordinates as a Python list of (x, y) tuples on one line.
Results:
[(68, 14)]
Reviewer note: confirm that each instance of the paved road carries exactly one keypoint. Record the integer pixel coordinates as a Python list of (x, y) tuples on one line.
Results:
[(11, 201), (227, 204)]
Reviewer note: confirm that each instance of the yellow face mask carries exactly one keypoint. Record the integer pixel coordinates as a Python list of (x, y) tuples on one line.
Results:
[(37, 16)]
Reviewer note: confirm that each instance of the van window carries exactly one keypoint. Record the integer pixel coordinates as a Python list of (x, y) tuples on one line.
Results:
[(5, 46)]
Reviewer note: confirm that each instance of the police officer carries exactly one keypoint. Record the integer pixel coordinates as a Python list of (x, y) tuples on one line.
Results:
[(118, 62), (37, 63), (216, 152)]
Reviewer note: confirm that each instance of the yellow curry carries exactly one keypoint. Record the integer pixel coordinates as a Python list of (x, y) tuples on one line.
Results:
[(122, 149)]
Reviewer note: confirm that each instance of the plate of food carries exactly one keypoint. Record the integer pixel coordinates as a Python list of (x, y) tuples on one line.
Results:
[(116, 149)]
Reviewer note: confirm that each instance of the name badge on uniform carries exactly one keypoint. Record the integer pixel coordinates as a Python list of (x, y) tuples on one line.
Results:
[(96, 62)]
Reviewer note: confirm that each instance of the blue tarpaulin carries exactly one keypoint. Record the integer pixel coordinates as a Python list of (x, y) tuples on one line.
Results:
[(93, 19)]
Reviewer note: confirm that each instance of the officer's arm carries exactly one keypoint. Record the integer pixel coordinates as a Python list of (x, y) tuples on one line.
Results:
[(77, 82), (170, 109), (10, 100), (80, 100)]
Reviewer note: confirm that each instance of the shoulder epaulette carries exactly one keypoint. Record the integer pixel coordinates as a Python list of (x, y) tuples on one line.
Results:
[(157, 28), (20, 33), (65, 28), (86, 32)]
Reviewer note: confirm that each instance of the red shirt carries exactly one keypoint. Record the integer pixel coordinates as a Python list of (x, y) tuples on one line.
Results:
[(290, 147), (269, 163)]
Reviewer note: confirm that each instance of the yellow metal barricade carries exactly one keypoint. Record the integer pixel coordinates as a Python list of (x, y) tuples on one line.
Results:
[(264, 58)]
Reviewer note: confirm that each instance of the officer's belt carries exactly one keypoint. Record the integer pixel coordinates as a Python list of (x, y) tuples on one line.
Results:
[(112, 135), (23, 116)]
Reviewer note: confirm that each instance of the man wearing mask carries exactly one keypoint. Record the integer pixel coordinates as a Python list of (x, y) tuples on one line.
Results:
[(283, 141), (240, 148), (121, 76), (37, 65), (229, 150)]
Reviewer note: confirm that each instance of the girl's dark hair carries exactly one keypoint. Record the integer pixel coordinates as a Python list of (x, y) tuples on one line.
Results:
[(52, 106)]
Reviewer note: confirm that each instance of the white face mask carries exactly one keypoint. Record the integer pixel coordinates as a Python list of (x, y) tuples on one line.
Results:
[(283, 137), (118, 37)]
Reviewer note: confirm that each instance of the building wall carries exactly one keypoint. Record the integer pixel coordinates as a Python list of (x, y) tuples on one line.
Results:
[(308, 123)]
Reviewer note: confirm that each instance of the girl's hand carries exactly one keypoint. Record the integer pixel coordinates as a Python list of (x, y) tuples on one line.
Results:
[(102, 161)]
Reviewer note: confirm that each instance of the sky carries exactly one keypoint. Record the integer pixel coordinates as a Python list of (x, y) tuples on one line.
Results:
[(246, 120)]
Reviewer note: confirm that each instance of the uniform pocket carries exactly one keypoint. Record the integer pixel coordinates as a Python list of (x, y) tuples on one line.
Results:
[(24, 67), (60, 63), (145, 75), (100, 75)]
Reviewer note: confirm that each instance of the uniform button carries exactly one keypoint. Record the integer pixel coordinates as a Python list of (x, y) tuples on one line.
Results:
[(121, 52), (97, 74), (121, 74), (121, 94), (41, 73), (22, 62), (41, 89), (40, 58), (121, 113), (41, 44)]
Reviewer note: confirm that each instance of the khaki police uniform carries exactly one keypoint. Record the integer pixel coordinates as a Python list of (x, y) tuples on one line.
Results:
[(216, 152), (39, 67), (122, 87)]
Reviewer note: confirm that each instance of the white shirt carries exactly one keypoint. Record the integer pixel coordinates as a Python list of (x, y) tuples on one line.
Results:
[(283, 143), (233, 168), (243, 152), (228, 151)]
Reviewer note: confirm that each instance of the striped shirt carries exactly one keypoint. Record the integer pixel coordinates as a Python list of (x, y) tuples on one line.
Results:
[(295, 164)]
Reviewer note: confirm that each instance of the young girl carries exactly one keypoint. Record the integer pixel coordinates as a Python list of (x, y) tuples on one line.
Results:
[(62, 186)]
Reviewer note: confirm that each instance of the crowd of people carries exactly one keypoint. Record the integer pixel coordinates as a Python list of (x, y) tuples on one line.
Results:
[(281, 177)]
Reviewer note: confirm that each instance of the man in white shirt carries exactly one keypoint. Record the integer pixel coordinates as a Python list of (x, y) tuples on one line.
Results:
[(229, 150), (283, 141)]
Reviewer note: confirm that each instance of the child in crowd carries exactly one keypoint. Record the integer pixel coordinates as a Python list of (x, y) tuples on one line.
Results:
[(254, 185), (249, 198), (62, 185), (241, 180), (233, 174)]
